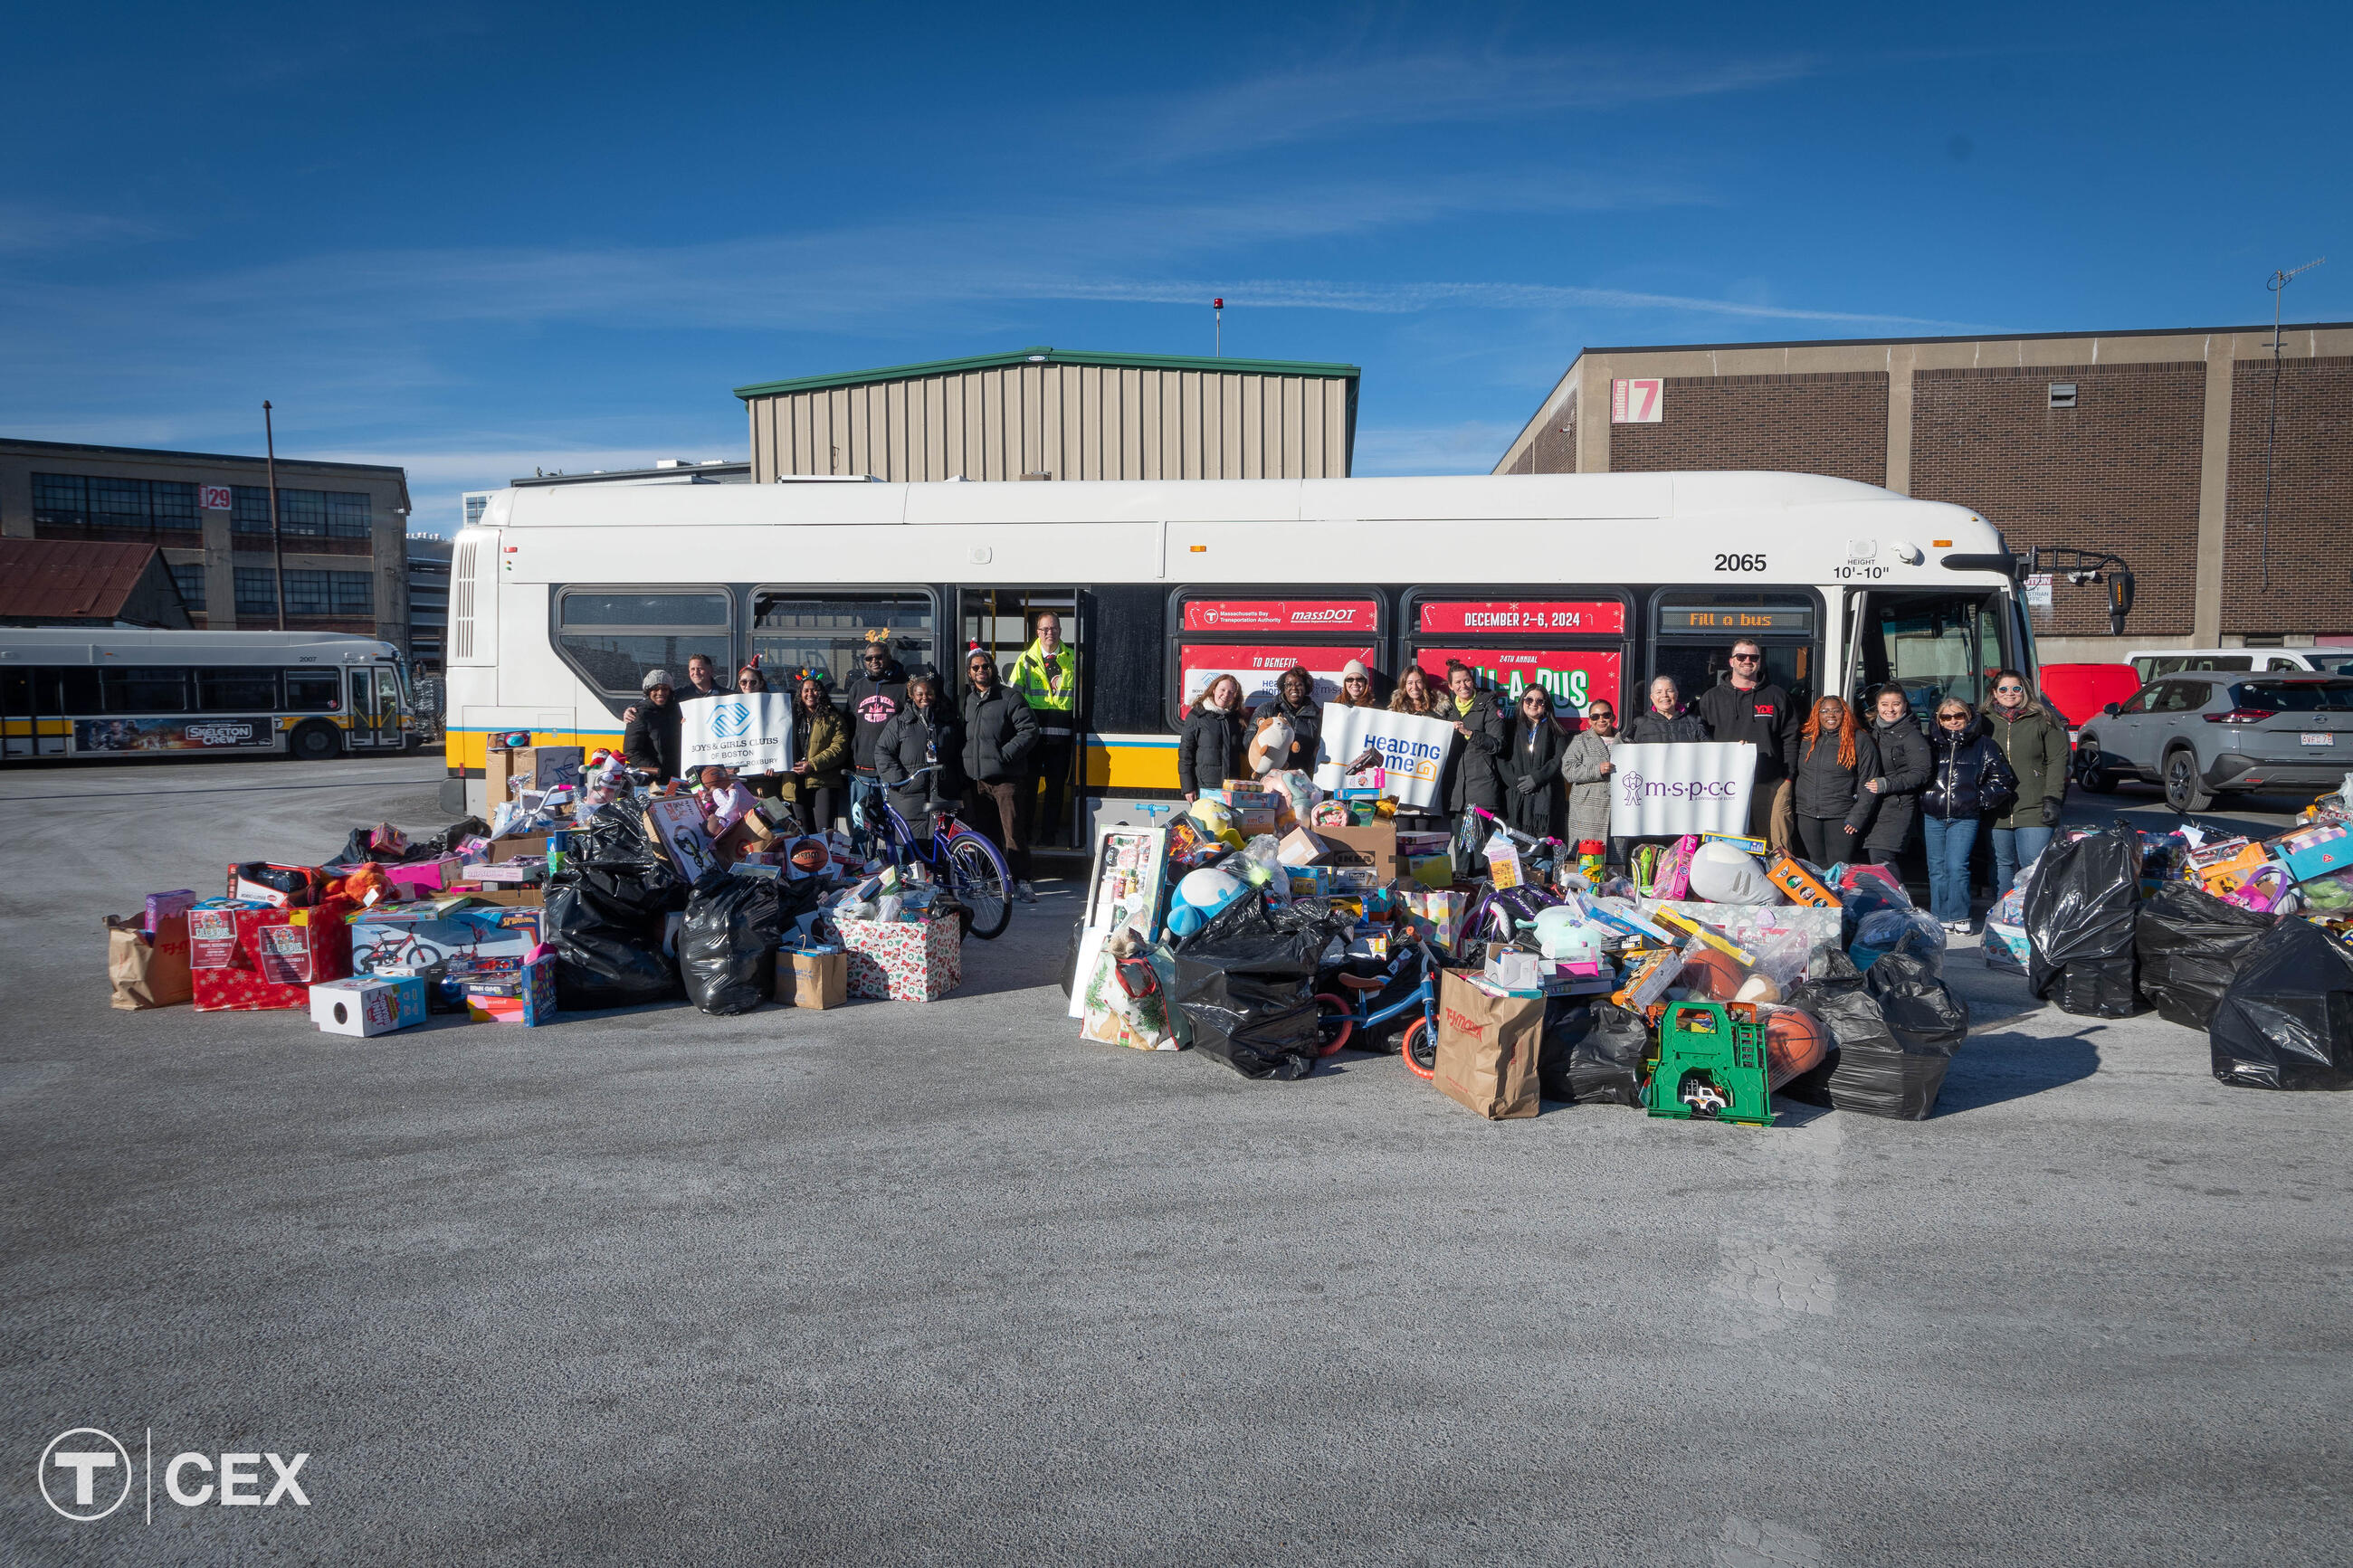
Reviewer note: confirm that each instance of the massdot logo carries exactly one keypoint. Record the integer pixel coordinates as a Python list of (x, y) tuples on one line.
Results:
[(92, 1473)]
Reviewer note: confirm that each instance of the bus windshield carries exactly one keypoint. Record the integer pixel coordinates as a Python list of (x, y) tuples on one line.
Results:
[(1933, 643)]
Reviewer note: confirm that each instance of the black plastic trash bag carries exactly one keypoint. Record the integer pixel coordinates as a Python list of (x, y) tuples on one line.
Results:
[(1595, 1054), (2081, 908), (606, 914), (2286, 1022), (1871, 1071), (727, 951), (2189, 943), (1921, 1010), (1250, 1000), (457, 832)]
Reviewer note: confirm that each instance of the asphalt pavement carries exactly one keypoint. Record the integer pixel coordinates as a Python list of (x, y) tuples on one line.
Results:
[(947, 1284)]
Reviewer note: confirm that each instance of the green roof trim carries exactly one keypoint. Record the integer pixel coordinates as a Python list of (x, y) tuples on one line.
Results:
[(1051, 356)]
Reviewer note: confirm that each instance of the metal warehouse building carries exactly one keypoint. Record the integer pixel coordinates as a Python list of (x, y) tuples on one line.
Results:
[(2153, 445), (1057, 413)]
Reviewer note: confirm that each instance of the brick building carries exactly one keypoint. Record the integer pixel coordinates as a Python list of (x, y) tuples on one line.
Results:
[(2149, 444), (342, 527)]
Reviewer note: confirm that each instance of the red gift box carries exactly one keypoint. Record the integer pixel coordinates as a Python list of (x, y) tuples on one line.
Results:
[(252, 960), (904, 961)]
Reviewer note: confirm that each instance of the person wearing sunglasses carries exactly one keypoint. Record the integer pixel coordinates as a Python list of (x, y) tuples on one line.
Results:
[(1968, 781), (2034, 743), (1747, 707), (877, 694)]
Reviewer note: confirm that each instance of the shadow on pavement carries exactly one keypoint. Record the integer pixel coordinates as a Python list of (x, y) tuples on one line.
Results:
[(1991, 1068)]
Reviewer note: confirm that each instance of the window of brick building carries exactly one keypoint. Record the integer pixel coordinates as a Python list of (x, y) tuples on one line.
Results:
[(347, 515), (60, 499), (302, 514), (249, 509), (257, 590), (189, 576), (308, 593), (354, 594)]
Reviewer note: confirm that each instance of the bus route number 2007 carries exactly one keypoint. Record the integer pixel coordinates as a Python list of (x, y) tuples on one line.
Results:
[(1740, 563)]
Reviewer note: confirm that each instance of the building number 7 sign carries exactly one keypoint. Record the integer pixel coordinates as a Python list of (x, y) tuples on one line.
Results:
[(1636, 402)]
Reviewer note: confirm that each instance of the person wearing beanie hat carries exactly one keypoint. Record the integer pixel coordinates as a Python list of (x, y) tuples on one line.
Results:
[(650, 740), (1356, 686)]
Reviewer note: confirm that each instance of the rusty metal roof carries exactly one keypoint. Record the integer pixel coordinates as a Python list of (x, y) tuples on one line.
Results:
[(54, 579)]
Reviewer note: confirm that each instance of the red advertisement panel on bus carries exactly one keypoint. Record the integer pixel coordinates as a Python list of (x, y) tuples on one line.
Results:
[(1574, 677), (1256, 666)]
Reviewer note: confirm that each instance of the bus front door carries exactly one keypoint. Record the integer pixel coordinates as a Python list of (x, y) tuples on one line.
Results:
[(1004, 621), (374, 708)]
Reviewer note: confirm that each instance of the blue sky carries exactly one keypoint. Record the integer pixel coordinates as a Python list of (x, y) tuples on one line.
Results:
[(476, 240)]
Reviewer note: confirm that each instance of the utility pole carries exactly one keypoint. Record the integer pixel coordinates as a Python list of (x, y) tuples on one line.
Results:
[(1219, 307), (2278, 286), (277, 550)]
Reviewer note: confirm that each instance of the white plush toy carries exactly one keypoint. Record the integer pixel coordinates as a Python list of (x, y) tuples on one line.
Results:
[(1270, 748)]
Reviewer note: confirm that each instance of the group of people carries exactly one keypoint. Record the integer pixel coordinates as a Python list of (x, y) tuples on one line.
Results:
[(1829, 784), (998, 744)]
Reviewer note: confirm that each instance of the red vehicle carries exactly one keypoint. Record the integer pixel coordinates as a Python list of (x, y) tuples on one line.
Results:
[(2079, 691)]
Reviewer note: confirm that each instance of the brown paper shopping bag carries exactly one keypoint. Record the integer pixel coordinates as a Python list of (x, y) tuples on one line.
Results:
[(1487, 1047), (148, 973)]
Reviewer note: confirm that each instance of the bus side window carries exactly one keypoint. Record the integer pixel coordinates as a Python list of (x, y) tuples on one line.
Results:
[(312, 691)]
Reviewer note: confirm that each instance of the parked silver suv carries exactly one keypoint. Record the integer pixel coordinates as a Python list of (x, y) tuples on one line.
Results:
[(2221, 733)]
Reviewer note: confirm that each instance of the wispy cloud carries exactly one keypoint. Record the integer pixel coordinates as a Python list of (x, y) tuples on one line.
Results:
[(25, 228), (1305, 105), (1468, 448), (1407, 298)]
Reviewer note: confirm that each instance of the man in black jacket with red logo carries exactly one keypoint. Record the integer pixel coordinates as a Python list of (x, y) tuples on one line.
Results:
[(877, 694), (1749, 708)]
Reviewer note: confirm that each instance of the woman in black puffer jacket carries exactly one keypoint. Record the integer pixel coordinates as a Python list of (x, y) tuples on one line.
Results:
[(1212, 748), (1902, 773), (1968, 780)]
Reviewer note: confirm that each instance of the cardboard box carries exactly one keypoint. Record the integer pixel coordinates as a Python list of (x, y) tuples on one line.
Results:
[(518, 872), (1301, 847), (814, 977), (469, 937), (522, 844), (508, 897), (526, 997), (424, 877), (529, 767), (675, 822), (1374, 845), (367, 1004), (2323, 850), (904, 961), (751, 835)]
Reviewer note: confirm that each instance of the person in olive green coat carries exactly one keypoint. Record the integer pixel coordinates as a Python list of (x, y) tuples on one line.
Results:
[(2035, 744), (818, 784)]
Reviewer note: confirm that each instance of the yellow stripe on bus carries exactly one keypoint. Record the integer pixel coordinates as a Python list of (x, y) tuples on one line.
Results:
[(1111, 765)]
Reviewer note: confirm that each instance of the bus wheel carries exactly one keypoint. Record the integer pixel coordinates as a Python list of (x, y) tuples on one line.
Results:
[(314, 741)]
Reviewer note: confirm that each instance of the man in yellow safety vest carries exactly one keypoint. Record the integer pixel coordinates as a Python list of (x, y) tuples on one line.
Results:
[(1046, 675)]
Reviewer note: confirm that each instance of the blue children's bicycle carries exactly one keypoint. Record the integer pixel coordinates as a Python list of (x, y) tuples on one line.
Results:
[(1337, 1018), (963, 859)]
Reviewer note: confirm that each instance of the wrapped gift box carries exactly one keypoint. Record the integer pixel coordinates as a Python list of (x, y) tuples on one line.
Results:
[(244, 957), (904, 961)]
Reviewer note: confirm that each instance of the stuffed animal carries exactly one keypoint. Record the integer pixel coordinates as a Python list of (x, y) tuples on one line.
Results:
[(1215, 820), (1270, 748), (366, 885)]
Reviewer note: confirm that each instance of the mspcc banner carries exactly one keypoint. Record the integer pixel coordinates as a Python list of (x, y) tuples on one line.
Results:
[(1413, 750), (1666, 790), (752, 733)]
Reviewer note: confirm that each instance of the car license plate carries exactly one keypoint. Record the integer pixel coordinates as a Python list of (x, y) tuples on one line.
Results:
[(2312, 739)]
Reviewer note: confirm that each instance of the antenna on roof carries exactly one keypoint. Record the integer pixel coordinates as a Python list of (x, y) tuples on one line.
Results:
[(2278, 283)]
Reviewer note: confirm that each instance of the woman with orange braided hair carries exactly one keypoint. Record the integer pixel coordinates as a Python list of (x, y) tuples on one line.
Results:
[(1828, 760)]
